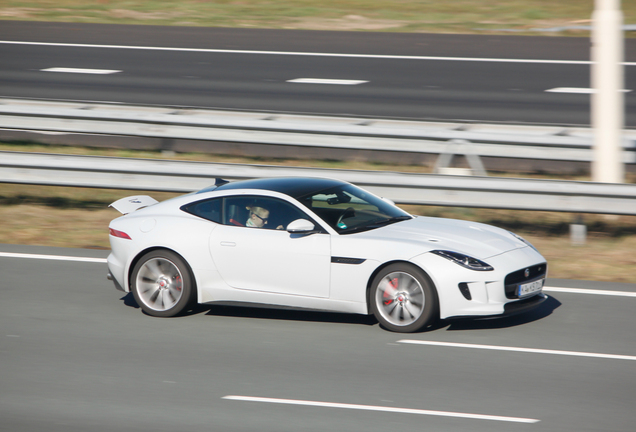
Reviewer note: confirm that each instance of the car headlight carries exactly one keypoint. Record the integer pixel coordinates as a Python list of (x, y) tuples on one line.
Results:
[(521, 239), (464, 260)]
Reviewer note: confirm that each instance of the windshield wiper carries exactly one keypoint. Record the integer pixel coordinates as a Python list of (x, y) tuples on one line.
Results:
[(389, 221)]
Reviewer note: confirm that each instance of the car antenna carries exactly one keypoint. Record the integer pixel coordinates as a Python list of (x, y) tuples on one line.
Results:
[(220, 182)]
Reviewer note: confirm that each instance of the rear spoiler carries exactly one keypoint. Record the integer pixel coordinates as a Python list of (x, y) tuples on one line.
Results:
[(132, 203), (218, 182)]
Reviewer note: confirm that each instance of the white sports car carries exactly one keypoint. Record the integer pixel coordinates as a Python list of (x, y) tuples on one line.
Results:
[(319, 244)]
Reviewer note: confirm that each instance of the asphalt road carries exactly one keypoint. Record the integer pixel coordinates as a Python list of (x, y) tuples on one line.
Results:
[(77, 355), (482, 81)]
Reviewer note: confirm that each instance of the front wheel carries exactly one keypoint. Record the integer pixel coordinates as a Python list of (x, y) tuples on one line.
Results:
[(403, 299), (162, 284)]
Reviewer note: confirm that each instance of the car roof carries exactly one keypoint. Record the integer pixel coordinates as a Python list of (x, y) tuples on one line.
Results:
[(296, 187)]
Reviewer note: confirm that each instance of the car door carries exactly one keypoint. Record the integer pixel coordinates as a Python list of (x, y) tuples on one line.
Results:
[(268, 258)]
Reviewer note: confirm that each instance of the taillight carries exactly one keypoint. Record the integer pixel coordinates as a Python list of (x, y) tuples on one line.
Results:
[(119, 234)]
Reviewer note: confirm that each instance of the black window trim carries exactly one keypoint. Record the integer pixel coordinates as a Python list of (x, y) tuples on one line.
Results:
[(301, 208)]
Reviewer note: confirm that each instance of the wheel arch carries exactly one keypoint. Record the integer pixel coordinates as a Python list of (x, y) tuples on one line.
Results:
[(409, 263), (141, 253)]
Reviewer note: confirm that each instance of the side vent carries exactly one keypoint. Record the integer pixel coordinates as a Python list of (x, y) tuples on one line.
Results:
[(345, 260), (463, 288)]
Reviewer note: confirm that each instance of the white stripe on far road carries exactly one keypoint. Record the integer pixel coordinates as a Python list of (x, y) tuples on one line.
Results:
[(515, 349), (52, 257), (326, 81), (311, 54), (81, 71), (380, 409), (576, 90)]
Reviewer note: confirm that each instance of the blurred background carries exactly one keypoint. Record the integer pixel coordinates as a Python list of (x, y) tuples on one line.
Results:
[(515, 73)]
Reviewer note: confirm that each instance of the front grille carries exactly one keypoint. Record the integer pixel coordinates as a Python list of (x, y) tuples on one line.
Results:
[(514, 279)]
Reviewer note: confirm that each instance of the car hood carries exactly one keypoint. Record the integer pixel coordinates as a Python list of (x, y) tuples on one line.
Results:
[(471, 238)]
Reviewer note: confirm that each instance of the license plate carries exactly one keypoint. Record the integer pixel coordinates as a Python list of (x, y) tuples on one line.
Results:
[(525, 290)]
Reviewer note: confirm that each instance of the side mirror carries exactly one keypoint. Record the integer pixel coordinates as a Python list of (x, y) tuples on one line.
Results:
[(300, 226)]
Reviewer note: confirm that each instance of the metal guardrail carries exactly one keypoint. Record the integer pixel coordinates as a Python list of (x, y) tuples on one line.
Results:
[(403, 188), (504, 141)]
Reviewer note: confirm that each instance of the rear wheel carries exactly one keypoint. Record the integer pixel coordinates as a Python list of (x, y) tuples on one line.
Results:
[(162, 284), (403, 299)]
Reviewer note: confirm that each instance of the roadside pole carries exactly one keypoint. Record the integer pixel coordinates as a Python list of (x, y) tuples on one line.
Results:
[(607, 91)]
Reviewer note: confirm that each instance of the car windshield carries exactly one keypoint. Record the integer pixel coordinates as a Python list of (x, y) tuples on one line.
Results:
[(348, 209)]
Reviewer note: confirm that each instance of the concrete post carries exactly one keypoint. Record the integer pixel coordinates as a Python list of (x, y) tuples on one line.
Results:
[(607, 96)]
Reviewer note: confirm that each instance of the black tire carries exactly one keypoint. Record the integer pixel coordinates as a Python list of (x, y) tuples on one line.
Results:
[(403, 299), (162, 284)]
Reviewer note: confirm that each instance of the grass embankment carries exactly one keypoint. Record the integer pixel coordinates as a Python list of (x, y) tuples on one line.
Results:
[(76, 217), (432, 16)]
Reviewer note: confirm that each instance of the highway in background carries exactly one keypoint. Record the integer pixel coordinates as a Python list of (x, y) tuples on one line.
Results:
[(77, 355), (384, 75)]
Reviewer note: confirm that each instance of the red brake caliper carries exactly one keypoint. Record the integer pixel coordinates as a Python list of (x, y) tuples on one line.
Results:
[(394, 284)]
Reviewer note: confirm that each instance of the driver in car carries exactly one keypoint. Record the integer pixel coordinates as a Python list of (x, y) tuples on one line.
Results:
[(258, 217)]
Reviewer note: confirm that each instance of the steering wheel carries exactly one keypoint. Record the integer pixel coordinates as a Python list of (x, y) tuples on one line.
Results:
[(349, 212)]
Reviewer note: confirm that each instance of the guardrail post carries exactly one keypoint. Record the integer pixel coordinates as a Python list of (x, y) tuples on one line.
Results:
[(167, 147), (460, 147), (578, 231), (607, 95)]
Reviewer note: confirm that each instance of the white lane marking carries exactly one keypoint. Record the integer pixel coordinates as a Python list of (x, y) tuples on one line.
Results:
[(590, 291), (311, 54), (80, 70), (104, 260), (576, 90), (381, 409), (326, 81), (52, 257), (515, 349)]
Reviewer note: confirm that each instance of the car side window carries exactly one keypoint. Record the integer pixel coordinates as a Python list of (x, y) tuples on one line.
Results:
[(260, 212), (207, 209)]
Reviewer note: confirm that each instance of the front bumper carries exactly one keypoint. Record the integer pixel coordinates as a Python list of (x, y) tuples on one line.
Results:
[(510, 309), (484, 292)]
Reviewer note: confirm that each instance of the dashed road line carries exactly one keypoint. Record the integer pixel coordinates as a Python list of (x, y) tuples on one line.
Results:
[(81, 70), (576, 90), (380, 409), (326, 81)]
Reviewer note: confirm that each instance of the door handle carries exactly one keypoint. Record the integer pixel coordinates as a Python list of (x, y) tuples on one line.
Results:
[(227, 243)]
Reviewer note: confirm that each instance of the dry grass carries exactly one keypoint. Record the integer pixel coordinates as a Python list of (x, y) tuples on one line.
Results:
[(75, 217), (603, 258), (453, 16), (59, 216), (607, 255), (46, 226), (314, 163), (78, 217), (215, 158)]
